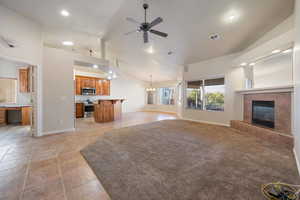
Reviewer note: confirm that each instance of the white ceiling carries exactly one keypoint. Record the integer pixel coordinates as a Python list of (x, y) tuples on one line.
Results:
[(189, 24)]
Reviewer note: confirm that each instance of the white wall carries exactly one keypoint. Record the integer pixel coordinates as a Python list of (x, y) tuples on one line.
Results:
[(276, 71), (296, 66), (219, 67), (286, 26), (58, 91), (133, 91), (25, 32)]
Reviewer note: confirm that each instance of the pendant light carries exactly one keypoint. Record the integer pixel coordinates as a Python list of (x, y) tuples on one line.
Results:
[(151, 88)]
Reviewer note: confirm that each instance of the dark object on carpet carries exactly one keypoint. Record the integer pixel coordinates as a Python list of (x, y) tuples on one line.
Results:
[(182, 160)]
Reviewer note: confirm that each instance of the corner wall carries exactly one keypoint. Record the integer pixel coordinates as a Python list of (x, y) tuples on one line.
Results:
[(296, 66)]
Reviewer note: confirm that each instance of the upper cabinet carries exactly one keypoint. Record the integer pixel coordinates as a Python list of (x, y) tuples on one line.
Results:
[(24, 80), (102, 86)]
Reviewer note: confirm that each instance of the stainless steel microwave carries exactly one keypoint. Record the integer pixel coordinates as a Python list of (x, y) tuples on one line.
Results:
[(88, 91)]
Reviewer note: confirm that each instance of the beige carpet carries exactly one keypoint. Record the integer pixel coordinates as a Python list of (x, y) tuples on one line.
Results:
[(181, 160)]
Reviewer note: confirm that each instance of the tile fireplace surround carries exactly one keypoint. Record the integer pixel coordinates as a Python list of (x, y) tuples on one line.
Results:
[(283, 115), (281, 134)]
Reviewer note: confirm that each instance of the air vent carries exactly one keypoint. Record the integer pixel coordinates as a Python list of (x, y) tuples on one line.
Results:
[(214, 37)]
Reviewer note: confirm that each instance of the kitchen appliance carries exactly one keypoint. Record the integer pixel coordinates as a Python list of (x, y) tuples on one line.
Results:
[(88, 91), (88, 108)]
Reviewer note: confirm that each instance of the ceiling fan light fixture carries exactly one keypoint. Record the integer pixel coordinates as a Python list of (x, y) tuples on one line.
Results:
[(146, 27)]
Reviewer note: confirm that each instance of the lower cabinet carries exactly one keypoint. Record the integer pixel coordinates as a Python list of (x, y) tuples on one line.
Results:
[(2, 116), (79, 110), (26, 116)]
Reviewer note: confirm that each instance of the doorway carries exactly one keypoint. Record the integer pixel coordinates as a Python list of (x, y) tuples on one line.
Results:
[(18, 98)]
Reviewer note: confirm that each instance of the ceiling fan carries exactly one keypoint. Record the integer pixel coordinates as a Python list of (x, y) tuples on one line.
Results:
[(146, 27)]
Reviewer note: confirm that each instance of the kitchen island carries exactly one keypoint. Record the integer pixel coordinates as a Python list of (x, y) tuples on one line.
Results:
[(107, 110)]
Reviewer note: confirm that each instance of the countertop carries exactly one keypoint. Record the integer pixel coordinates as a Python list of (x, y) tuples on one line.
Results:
[(14, 105)]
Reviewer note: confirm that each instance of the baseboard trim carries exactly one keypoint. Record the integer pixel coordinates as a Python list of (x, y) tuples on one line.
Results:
[(297, 161), (58, 131), (206, 122), (159, 111)]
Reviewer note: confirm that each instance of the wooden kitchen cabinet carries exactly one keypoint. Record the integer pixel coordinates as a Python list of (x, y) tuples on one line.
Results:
[(106, 88), (78, 86), (26, 116), (24, 80), (102, 85), (2, 116), (79, 110), (88, 82)]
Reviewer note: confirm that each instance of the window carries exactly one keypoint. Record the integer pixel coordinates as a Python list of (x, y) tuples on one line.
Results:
[(206, 94), (166, 96), (8, 90), (195, 95)]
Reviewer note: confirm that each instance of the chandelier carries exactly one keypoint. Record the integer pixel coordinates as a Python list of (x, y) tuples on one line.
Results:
[(151, 88)]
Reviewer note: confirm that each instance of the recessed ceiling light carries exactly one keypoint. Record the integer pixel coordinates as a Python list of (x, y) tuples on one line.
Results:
[(276, 51), (287, 51), (109, 78), (150, 50), (65, 13), (110, 71), (114, 76), (68, 43), (95, 66), (231, 16), (244, 64), (252, 64)]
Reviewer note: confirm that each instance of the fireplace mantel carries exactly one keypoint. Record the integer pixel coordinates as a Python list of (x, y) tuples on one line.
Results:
[(277, 89)]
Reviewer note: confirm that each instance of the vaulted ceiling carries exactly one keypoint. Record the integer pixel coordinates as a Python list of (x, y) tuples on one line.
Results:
[(189, 24)]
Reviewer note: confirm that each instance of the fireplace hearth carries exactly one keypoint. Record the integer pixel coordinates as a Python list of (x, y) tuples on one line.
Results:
[(263, 113)]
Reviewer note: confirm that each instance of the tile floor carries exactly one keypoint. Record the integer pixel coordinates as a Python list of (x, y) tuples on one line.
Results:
[(51, 167)]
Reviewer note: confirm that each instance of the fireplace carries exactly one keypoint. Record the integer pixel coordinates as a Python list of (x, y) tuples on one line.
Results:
[(263, 113)]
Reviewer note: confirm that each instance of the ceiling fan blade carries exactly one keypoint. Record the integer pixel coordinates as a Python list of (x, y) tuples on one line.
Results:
[(146, 37), (130, 32), (161, 34), (132, 20), (155, 22)]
